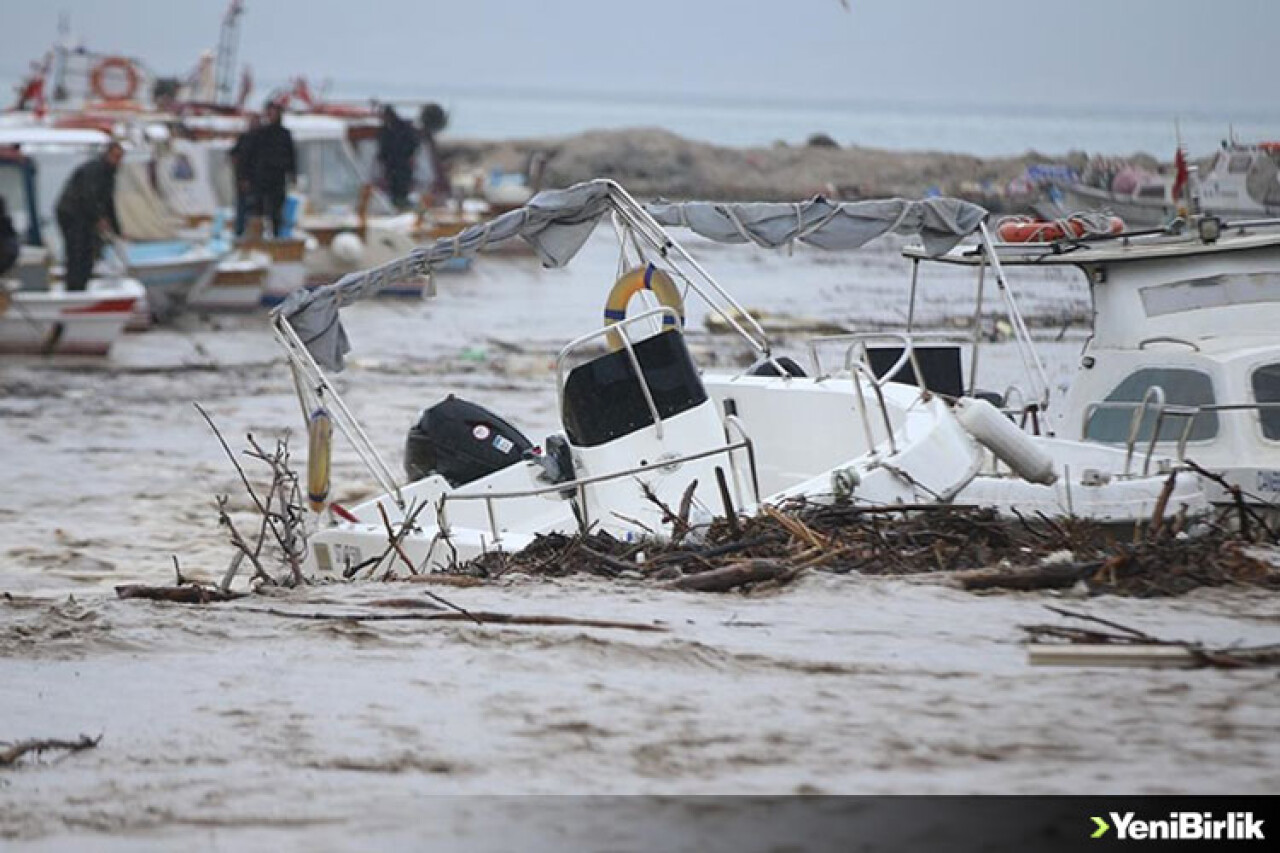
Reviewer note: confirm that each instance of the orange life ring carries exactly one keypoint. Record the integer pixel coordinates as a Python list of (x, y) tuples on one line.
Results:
[(100, 83), (1023, 229)]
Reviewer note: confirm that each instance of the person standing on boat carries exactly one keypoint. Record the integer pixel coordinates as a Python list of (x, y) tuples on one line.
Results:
[(272, 166), (242, 166), (87, 213), (397, 143)]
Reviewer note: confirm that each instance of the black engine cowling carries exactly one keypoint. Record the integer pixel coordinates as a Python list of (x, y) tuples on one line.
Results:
[(461, 442)]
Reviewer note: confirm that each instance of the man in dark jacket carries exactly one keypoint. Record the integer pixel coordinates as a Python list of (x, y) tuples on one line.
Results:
[(397, 143), (86, 211), (242, 167), (273, 165)]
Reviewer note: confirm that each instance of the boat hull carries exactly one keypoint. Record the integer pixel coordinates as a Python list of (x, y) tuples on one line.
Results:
[(1140, 213), (52, 323)]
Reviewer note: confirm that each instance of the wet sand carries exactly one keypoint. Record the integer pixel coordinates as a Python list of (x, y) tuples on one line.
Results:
[(223, 726)]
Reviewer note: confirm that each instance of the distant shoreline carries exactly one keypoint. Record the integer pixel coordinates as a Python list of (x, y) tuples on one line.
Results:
[(652, 162)]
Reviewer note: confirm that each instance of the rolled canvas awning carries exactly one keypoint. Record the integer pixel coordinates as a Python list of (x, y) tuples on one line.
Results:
[(940, 223)]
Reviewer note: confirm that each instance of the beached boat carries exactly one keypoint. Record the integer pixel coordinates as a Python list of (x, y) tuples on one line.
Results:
[(59, 322), (40, 319), (239, 283), (1241, 183), (1183, 360), (642, 428), (169, 269)]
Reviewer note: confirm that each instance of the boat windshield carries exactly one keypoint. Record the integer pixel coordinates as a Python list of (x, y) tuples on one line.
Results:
[(1110, 422), (334, 180), (1266, 389)]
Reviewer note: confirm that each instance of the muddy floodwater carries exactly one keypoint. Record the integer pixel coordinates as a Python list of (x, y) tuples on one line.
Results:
[(229, 726)]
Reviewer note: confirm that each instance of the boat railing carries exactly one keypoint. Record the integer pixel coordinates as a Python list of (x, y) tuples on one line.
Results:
[(1168, 339), (1153, 401), (620, 332), (857, 361), (579, 486)]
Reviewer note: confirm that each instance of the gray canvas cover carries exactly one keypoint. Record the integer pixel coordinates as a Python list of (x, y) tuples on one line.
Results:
[(941, 223), (556, 223)]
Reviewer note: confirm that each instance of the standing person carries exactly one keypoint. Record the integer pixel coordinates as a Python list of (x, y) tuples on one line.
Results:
[(242, 165), (86, 212), (273, 166), (397, 143)]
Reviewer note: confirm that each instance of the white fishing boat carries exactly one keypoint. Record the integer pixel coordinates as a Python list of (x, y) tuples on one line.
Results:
[(642, 427), (1241, 182), (1183, 360), (239, 283), (1021, 472), (58, 322), (36, 318), (169, 269)]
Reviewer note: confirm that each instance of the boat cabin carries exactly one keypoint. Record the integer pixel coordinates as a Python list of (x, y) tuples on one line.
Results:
[(1184, 358)]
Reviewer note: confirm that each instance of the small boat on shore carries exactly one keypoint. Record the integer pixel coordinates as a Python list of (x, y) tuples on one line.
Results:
[(60, 322), (37, 317), (1242, 182)]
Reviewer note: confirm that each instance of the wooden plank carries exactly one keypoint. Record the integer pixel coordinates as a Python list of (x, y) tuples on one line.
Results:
[(1121, 654)]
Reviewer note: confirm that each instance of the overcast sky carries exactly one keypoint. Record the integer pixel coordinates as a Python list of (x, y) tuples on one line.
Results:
[(1186, 55)]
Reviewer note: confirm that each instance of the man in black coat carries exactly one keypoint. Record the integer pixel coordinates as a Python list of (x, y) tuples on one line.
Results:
[(397, 143), (86, 211), (242, 166), (273, 165)]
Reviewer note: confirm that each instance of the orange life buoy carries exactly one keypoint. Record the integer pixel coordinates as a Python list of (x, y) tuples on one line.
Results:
[(1023, 229), (108, 85)]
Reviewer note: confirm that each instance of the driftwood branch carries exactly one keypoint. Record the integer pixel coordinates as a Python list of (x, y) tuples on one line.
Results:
[(735, 575), (479, 617), (10, 755), (189, 593)]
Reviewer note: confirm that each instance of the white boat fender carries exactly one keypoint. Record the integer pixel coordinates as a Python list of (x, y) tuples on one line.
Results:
[(348, 248), (1011, 445)]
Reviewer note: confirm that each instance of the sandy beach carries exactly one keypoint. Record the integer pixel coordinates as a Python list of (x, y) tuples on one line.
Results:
[(233, 727)]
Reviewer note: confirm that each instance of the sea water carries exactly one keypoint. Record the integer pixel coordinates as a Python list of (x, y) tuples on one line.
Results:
[(979, 129)]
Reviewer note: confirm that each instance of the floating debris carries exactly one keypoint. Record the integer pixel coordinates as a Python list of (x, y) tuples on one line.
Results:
[(973, 548)]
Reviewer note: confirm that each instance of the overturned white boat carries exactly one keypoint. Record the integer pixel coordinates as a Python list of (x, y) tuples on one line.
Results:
[(643, 430)]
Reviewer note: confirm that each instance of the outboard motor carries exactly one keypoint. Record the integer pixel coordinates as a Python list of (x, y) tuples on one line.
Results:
[(461, 442)]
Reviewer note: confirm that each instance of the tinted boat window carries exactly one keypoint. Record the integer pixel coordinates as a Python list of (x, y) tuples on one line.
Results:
[(1182, 387), (1266, 389)]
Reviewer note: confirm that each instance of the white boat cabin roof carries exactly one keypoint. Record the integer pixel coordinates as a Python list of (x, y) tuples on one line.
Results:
[(21, 137), (1120, 249)]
